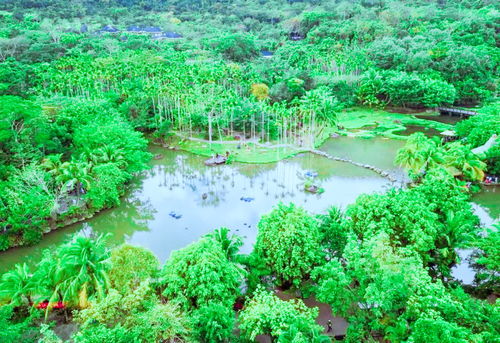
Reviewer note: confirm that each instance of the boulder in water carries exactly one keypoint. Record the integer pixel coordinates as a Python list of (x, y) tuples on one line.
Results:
[(312, 189), (216, 160)]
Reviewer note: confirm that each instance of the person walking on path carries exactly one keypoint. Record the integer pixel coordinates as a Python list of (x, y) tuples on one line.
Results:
[(329, 326)]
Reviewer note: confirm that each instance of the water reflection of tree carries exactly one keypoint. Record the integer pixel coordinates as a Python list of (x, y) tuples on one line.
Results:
[(133, 215), (281, 180), (188, 172)]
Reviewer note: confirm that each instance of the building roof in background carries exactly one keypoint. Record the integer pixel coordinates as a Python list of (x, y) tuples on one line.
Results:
[(167, 35)]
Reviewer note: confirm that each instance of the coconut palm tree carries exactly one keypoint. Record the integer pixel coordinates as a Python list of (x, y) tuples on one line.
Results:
[(230, 244), (108, 154), (75, 176), (53, 163), (419, 154), (81, 271), (18, 286), (460, 160)]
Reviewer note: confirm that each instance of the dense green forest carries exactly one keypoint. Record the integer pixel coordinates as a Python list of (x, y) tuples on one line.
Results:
[(87, 85)]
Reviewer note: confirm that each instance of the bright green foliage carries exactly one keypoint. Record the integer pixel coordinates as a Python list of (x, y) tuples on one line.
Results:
[(48, 335), (421, 155), (106, 186), (24, 131), (213, 323), (83, 265), (478, 129), (18, 286), (130, 266), (116, 307), (162, 322), (288, 243), (384, 289), (26, 201), (404, 89), (460, 160), (300, 331), (334, 231), (487, 260), (373, 274), (236, 47), (100, 333), (136, 316), (437, 330), (490, 254), (432, 219), (320, 104), (437, 93), (284, 321), (370, 88), (230, 244), (75, 273), (404, 215), (493, 159), (333, 286), (200, 273), (74, 105), (16, 331), (205, 283), (91, 152)]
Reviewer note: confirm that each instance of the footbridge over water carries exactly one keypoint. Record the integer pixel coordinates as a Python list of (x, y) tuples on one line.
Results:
[(456, 112)]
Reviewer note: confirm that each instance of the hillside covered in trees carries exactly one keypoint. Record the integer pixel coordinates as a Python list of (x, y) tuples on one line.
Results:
[(88, 86)]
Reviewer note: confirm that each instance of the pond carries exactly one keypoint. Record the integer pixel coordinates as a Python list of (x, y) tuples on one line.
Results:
[(487, 207), (179, 199), (440, 118), (411, 129)]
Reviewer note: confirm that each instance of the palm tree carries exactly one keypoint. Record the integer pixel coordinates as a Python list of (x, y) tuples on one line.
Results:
[(90, 158), (460, 160), (419, 154), (108, 154), (230, 244), (82, 269), (18, 286), (75, 176), (53, 163), (320, 108)]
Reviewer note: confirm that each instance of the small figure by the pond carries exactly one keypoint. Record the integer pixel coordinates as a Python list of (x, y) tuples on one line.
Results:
[(204, 196), (329, 326)]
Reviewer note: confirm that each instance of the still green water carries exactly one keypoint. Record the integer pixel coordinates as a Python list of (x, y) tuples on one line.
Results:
[(177, 184)]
